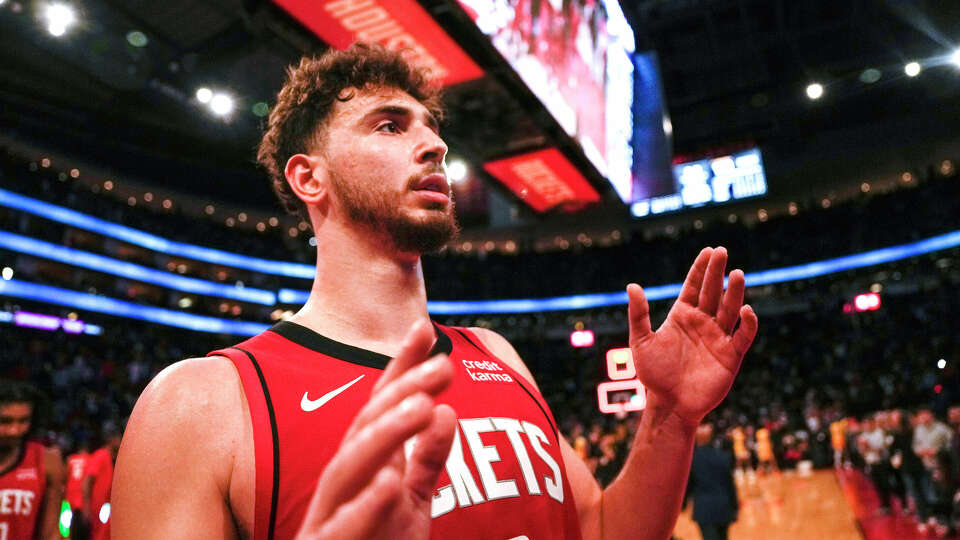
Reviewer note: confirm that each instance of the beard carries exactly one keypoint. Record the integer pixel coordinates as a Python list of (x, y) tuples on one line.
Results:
[(368, 204)]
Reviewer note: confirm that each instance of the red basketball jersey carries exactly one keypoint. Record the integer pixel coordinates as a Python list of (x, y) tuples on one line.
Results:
[(504, 477), (21, 493), (76, 470), (100, 467)]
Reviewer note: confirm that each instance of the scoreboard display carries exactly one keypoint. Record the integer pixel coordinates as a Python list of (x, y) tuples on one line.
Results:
[(709, 182)]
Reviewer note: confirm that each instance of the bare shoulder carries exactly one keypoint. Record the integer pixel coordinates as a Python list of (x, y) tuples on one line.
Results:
[(503, 350), (175, 467), (192, 409)]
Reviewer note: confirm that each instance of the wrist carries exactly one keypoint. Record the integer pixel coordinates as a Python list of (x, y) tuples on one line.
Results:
[(667, 409), (663, 414)]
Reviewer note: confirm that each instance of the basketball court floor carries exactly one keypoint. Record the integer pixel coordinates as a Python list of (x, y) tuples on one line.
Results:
[(826, 504)]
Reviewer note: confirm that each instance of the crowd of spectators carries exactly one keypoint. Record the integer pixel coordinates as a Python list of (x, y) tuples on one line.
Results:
[(927, 205), (814, 366)]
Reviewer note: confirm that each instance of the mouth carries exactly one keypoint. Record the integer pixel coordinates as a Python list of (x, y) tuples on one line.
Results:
[(435, 182)]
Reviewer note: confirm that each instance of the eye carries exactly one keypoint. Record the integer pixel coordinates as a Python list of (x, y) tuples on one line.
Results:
[(389, 126)]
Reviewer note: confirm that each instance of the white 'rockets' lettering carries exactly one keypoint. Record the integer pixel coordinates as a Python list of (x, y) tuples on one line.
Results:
[(462, 483), (536, 436), (463, 489), (513, 429), (16, 502), (483, 456)]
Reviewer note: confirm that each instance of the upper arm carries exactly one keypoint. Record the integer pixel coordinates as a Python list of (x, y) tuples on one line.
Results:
[(587, 493), (174, 466)]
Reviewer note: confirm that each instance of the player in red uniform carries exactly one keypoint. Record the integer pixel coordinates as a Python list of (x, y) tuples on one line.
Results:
[(461, 445), (97, 482), (76, 470), (31, 475)]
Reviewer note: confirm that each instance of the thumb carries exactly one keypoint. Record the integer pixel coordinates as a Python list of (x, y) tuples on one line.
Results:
[(638, 312)]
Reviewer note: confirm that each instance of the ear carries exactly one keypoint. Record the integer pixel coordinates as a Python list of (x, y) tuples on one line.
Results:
[(307, 177)]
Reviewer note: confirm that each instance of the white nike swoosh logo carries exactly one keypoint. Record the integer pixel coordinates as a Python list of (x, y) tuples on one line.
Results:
[(310, 405)]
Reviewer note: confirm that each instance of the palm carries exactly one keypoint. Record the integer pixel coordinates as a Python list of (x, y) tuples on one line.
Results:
[(689, 363)]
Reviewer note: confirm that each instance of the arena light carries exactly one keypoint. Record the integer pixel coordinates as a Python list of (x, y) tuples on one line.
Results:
[(108, 265), (204, 94), (620, 365), (150, 241), (60, 17), (941, 363), (129, 310), (7, 273), (815, 91), (221, 104), (582, 338), (955, 58), (457, 170), (912, 69), (867, 302)]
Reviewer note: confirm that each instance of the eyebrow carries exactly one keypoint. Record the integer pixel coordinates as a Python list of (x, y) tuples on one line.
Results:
[(399, 110)]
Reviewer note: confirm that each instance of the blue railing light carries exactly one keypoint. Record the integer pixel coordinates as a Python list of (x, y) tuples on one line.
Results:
[(100, 263), (672, 290), (121, 308), (151, 241)]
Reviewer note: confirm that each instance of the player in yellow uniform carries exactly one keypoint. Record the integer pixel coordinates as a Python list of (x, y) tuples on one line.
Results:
[(838, 439), (765, 458), (740, 452)]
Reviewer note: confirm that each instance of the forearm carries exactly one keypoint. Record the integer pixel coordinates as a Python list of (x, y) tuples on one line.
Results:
[(645, 498)]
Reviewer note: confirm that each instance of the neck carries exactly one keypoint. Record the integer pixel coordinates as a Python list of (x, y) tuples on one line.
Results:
[(365, 293)]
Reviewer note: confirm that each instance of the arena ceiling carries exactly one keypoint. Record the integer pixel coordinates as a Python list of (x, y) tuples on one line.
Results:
[(733, 70)]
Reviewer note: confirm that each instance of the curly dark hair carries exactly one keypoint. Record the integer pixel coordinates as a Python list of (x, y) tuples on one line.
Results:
[(306, 100)]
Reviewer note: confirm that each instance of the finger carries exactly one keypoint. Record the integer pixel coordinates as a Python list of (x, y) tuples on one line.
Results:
[(359, 518), (360, 456), (713, 282), (690, 292), (430, 377), (416, 346), (430, 453), (638, 311), (743, 337), (732, 300)]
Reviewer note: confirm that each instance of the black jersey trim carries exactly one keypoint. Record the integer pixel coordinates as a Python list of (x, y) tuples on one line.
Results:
[(470, 341), (545, 415), (274, 496), (305, 337), (525, 389)]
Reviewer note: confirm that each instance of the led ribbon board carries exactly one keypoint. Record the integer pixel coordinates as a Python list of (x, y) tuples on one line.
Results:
[(92, 261), (152, 241), (400, 25), (544, 179)]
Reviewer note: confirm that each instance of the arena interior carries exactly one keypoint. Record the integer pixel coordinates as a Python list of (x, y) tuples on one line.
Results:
[(591, 144)]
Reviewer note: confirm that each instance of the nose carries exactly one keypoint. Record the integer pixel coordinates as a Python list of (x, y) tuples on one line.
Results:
[(431, 148)]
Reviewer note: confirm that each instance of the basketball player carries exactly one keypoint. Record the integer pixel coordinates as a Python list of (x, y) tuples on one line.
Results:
[(76, 472), (97, 482), (448, 439), (31, 475)]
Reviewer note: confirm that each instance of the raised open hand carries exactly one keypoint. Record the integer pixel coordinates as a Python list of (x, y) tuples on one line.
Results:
[(370, 489), (689, 363)]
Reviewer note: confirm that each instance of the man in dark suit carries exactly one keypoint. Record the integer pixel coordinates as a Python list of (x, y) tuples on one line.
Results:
[(711, 487)]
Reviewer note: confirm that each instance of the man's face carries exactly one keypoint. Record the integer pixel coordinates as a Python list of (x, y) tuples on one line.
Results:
[(15, 421), (386, 167), (953, 415)]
